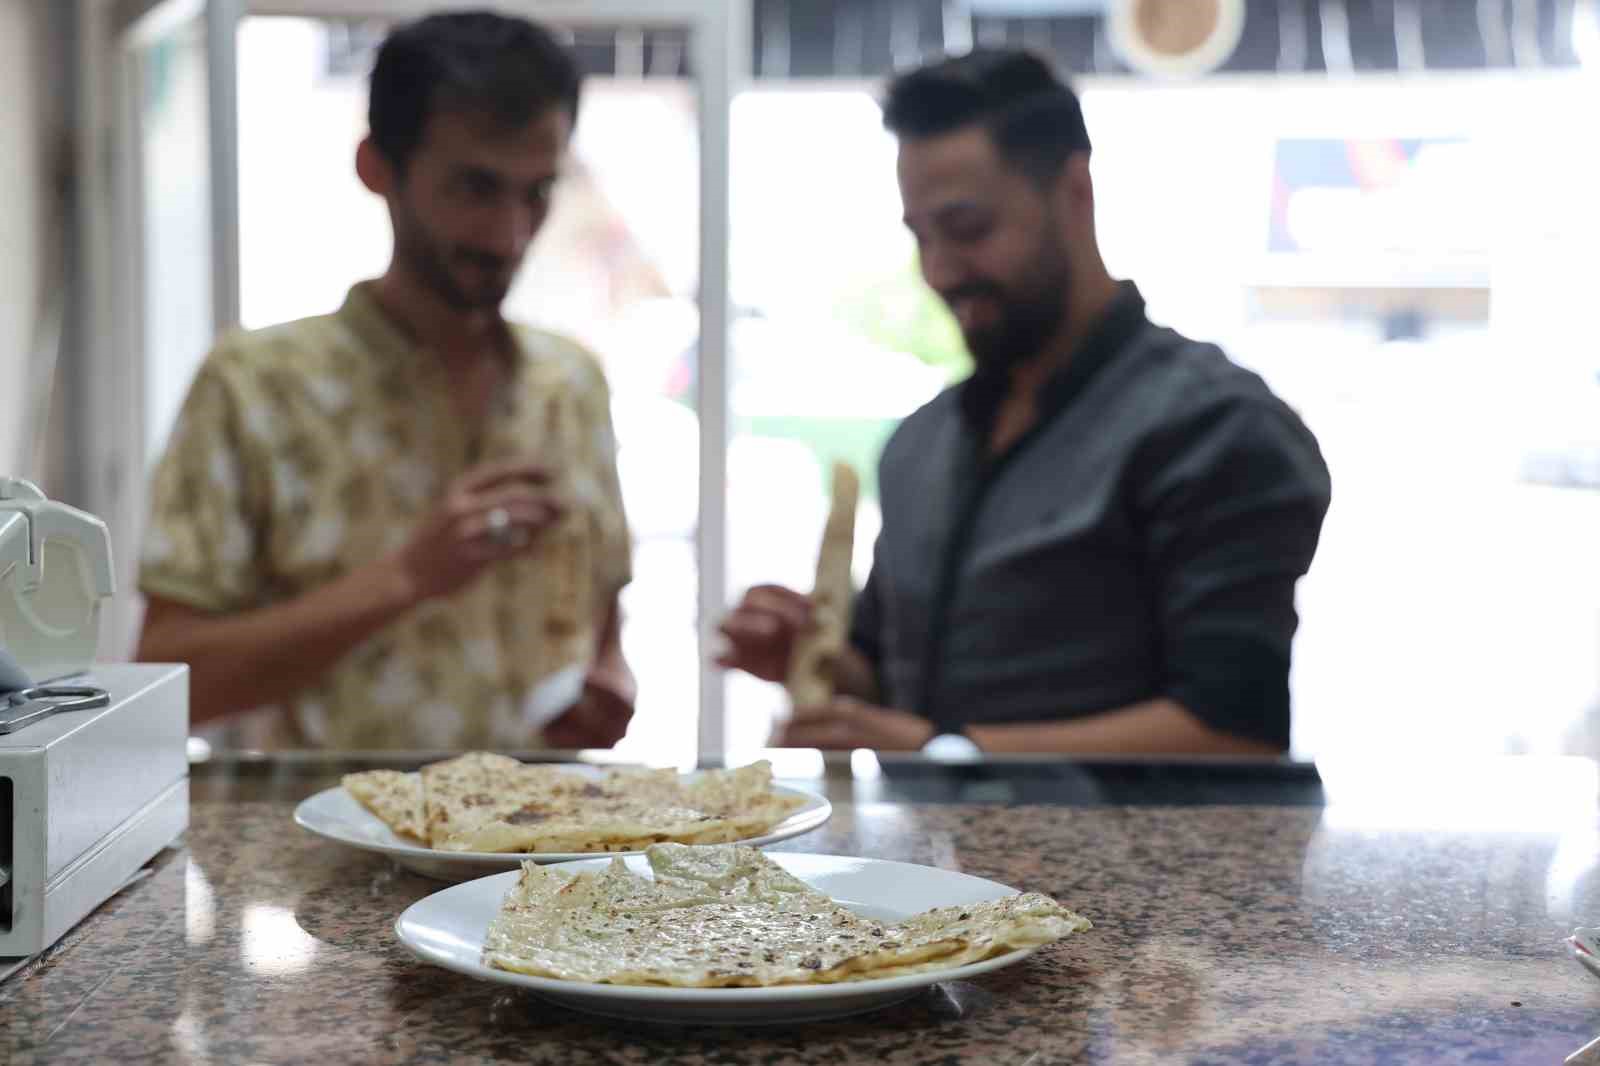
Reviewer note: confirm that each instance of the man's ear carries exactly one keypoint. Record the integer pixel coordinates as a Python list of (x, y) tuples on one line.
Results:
[(374, 168), (1075, 187)]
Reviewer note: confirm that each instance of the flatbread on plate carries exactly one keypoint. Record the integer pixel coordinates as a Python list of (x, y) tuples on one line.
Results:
[(729, 916), (481, 802)]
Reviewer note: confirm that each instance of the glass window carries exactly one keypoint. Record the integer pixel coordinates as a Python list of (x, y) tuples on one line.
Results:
[(1369, 246), (835, 339), (175, 201)]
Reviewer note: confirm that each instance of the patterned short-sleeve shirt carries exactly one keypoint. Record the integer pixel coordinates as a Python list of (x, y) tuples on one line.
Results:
[(306, 450)]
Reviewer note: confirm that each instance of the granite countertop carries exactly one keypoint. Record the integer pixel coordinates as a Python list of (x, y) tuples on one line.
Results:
[(897, 777), (1222, 934)]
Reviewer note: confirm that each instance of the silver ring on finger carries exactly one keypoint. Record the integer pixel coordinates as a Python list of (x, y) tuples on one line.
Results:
[(498, 521)]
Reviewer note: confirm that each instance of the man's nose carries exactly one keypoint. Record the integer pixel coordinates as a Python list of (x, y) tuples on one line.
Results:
[(941, 269), (512, 227)]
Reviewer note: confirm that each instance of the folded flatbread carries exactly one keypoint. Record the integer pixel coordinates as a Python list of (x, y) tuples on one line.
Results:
[(483, 802), (393, 796), (730, 916), (810, 680)]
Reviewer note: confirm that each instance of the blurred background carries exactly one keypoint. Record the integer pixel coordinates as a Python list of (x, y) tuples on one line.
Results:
[(1386, 207)]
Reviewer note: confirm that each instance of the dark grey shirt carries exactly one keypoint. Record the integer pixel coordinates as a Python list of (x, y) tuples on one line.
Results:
[(1143, 540)]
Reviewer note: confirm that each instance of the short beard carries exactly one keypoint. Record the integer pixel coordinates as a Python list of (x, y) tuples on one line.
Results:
[(425, 259), (1030, 316)]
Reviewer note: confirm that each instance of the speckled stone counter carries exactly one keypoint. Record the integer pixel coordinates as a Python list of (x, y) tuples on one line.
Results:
[(1240, 934)]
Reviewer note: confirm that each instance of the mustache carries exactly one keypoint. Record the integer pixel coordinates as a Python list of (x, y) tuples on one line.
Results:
[(973, 290), (487, 260)]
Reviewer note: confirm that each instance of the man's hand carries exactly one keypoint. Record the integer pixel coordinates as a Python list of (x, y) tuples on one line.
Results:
[(761, 631), (600, 717), (849, 723), (490, 513)]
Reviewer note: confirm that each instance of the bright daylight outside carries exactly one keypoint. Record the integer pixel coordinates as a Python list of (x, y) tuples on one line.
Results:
[(1356, 245)]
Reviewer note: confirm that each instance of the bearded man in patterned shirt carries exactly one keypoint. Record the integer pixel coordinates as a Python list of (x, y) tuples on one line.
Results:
[(399, 525)]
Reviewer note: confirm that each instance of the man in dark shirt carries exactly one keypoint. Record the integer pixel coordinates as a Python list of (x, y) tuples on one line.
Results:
[(1092, 544)]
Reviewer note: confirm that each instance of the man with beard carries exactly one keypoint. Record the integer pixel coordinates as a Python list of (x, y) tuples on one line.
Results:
[(1092, 544), (399, 525)]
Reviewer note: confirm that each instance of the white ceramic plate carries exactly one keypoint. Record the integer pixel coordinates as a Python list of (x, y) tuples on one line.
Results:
[(448, 928), (335, 815)]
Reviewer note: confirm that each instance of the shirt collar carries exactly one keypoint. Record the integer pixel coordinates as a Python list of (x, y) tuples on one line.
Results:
[(366, 317), (379, 332)]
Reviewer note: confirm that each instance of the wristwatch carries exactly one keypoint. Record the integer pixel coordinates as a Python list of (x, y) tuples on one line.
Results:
[(952, 747)]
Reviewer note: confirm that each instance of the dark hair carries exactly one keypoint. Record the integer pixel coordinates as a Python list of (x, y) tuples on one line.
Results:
[(1033, 117), (506, 68)]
